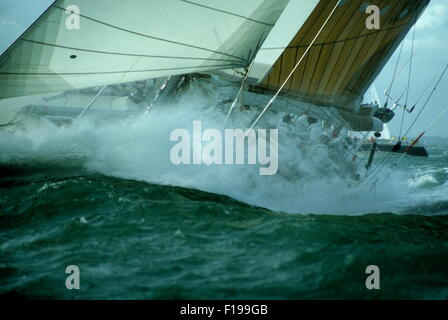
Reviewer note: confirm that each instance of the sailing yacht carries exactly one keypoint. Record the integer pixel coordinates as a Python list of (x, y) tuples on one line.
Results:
[(300, 58), (384, 141)]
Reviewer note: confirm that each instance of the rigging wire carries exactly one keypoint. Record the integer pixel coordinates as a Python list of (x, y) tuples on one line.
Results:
[(410, 66), (378, 169), (419, 98), (433, 122), (401, 95), (295, 67), (428, 99), (12, 122), (401, 125), (406, 62), (91, 102), (150, 36), (389, 157), (407, 87), (425, 90), (393, 77), (240, 91)]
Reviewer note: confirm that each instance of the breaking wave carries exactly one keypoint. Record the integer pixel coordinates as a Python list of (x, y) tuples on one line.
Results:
[(139, 149), (423, 181)]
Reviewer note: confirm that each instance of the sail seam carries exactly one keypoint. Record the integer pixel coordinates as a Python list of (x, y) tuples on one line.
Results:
[(328, 74), (227, 12), (126, 54), (338, 41), (152, 37), (110, 72), (368, 70)]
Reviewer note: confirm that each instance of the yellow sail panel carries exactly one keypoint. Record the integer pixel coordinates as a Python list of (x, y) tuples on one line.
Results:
[(288, 24), (346, 56), (121, 41)]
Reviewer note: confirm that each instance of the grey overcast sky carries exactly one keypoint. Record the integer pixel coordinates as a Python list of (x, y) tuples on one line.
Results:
[(429, 59)]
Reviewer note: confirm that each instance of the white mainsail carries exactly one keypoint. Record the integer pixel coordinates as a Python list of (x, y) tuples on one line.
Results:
[(120, 42)]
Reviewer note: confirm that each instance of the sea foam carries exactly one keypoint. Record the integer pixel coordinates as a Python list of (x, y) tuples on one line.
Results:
[(139, 149)]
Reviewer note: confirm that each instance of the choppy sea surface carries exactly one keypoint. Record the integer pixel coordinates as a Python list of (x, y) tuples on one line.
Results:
[(107, 201)]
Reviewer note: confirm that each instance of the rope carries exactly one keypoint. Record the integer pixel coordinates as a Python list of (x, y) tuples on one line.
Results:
[(295, 67), (424, 91), (152, 37), (410, 65), (91, 102), (427, 100), (395, 72), (377, 169), (240, 91), (409, 129), (406, 62), (401, 124), (433, 122), (407, 88)]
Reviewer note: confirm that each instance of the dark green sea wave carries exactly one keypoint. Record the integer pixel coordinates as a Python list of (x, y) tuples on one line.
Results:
[(135, 240)]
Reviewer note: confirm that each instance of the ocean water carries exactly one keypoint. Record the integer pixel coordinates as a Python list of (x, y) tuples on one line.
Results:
[(108, 200)]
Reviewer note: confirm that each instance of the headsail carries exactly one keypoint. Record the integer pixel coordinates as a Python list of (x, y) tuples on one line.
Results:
[(120, 42), (346, 57), (290, 21)]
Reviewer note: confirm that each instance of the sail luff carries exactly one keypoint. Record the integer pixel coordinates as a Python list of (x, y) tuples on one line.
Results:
[(346, 57), (289, 23)]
